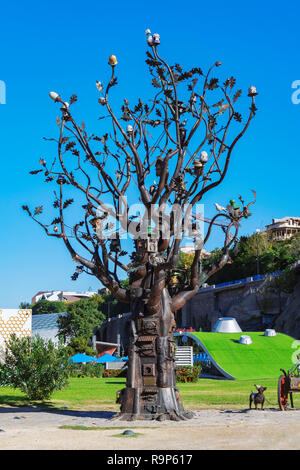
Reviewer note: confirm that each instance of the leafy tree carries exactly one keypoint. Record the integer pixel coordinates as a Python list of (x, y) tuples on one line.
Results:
[(79, 345), (81, 319), (44, 306), (257, 251), (295, 246), (24, 305), (34, 365)]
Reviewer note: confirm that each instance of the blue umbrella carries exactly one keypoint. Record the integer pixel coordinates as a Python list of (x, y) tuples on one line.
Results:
[(108, 358), (125, 359), (78, 358)]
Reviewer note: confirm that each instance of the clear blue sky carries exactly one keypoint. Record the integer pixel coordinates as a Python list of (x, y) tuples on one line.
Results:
[(64, 46)]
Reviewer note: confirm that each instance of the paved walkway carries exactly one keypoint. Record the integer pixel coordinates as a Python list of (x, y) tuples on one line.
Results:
[(25, 428)]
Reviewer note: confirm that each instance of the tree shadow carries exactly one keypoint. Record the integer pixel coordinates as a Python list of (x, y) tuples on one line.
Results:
[(116, 383), (247, 410), (11, 406)]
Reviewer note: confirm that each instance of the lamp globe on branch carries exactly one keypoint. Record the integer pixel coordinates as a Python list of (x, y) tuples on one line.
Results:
[(183, 136)]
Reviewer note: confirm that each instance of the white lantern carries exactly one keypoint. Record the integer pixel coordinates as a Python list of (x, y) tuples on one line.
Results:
[(203, 156), (156, 38), (112, 60), (99, 86), (54, 96), (129, 129), (252, 91), (150, 40)]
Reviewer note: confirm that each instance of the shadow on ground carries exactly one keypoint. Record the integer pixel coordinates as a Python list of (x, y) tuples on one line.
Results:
[(49, 408)]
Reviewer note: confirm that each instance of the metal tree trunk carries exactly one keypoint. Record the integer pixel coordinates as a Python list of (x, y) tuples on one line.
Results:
[(151, 391)]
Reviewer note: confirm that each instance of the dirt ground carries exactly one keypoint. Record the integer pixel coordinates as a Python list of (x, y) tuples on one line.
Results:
[(25, 429)]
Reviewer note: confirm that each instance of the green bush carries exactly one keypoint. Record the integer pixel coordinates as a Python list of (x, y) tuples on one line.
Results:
[(34, 365), (87, 370), (79, 345), (114, 372), (188, 374)]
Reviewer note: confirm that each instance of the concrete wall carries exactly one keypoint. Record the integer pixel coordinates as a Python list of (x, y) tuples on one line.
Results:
[(251, 303), (253, 306)]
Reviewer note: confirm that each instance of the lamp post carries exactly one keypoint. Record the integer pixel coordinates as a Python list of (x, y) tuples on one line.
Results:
[(257, 251)]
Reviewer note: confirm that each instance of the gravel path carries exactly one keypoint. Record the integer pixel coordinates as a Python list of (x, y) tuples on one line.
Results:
[(25, 428)]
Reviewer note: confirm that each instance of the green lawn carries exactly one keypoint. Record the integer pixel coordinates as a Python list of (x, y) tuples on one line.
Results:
[(258, 363), (262, 359), (100, 394)]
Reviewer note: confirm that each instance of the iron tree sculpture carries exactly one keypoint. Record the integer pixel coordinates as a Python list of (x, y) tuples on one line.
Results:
[(183, 137)]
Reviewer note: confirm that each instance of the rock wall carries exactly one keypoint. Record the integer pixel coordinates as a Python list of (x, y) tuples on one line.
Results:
[(252, 304), (289, 320)]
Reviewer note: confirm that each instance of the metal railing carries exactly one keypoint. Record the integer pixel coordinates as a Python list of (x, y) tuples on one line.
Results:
[(256, 277)]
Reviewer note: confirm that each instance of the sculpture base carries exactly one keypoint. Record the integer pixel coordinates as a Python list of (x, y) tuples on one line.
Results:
[(151, 403)]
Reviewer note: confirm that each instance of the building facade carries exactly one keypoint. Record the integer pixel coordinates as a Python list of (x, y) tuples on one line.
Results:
[(46, 326), (282, 229), (14, 321), (61, 296)]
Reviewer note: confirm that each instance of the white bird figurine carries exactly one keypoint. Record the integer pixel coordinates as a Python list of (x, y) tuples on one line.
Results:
[(219, 208)]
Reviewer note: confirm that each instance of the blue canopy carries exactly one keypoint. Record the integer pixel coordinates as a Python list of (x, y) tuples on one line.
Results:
[(81, 358), (108, 358), (125, 359)]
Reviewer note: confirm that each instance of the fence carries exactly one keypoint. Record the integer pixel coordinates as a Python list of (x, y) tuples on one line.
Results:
[(257, 277)]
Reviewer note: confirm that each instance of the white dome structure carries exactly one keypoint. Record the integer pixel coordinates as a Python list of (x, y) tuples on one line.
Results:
[(269, 332), (245, 339), (226, 325)]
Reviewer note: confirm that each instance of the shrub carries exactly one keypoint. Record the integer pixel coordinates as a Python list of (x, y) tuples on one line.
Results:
[(87, 370), (79, 345), (188, 374), (34, 365), (112, 372)]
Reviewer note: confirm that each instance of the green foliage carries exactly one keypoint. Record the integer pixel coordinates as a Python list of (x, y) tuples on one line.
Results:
[(283, 283), (79, 345), (257, 249), (111, 306), (87, 370), (24, 305), (44, 306), (188, 374), (114, 373), (81, 319), (34, 365)]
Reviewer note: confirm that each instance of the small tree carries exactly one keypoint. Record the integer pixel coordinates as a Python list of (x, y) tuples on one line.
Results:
[(44, 306), (34, 365), (81, 319), (79, 345)]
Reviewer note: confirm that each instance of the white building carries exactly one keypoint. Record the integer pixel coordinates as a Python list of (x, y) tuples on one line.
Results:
[(46, 326), (61, 296), (14, 321), (282, 229), (190, 249)]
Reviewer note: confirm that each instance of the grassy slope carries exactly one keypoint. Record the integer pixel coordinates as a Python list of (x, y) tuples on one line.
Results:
[(262, 359)]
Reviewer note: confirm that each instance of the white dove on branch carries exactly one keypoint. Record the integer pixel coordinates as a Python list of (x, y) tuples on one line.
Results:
[(219, 208)]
